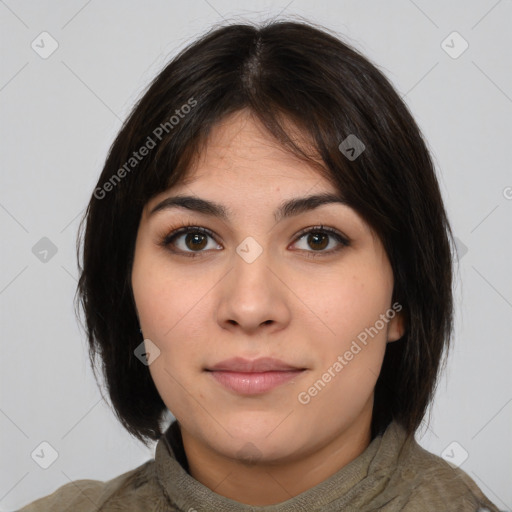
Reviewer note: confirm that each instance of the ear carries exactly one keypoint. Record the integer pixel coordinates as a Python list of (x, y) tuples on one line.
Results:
[(396, 327)]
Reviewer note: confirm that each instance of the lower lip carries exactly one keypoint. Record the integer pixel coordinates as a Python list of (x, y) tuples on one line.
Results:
[(253, 383)]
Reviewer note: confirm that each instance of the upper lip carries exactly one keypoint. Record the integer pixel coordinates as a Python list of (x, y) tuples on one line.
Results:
[(262, 364)]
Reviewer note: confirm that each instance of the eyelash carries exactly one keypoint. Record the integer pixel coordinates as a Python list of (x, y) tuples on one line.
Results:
[(167, 239)]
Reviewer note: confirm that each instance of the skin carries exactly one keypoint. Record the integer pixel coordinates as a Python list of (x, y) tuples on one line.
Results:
[(306, 311)]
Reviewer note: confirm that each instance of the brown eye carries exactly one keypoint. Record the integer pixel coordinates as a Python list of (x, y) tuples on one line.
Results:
[(318, 241), (189, 241), (318, 238), (195, 241)]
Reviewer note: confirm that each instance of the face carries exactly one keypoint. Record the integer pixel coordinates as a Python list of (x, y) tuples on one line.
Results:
[(311, 289)]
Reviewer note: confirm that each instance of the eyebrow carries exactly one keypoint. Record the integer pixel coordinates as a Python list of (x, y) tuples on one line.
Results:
[(286, 209)]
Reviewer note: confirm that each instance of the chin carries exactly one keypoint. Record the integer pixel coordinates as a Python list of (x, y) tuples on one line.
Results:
[(252, 439)]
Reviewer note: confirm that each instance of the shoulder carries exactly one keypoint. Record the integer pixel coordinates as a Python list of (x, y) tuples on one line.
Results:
[(128, 491), (433, 484)]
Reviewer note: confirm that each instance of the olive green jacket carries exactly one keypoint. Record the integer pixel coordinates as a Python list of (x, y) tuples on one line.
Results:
[(394, 473)]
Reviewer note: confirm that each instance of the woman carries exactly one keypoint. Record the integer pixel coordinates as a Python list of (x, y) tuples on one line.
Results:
[(267, 256)]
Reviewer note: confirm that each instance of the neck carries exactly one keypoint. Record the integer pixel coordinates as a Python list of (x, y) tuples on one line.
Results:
[(243, 481)]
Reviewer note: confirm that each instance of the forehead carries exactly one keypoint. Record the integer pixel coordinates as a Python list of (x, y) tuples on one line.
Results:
[(239, 150)]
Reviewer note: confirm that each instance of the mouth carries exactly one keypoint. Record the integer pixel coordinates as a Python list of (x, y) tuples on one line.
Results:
[(253, 377)]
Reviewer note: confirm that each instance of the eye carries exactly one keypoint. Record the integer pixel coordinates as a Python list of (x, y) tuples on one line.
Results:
[(318, 237), (189, 240)]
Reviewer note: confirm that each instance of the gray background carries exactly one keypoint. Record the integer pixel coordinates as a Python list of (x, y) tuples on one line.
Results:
[(60, 114)]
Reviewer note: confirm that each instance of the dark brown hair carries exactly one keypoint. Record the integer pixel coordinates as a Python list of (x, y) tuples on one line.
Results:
[(283, 72)]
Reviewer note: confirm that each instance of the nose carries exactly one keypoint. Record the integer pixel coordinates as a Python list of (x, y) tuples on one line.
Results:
[(253, 296)]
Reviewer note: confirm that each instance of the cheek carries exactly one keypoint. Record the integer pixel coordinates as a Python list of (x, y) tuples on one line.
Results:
[(352, 338), (342, 307), (172, 316), (169, 313), (167, 300)]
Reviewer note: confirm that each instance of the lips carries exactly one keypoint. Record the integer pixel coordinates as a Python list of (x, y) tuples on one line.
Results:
[(262, 364), (252, 377)]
